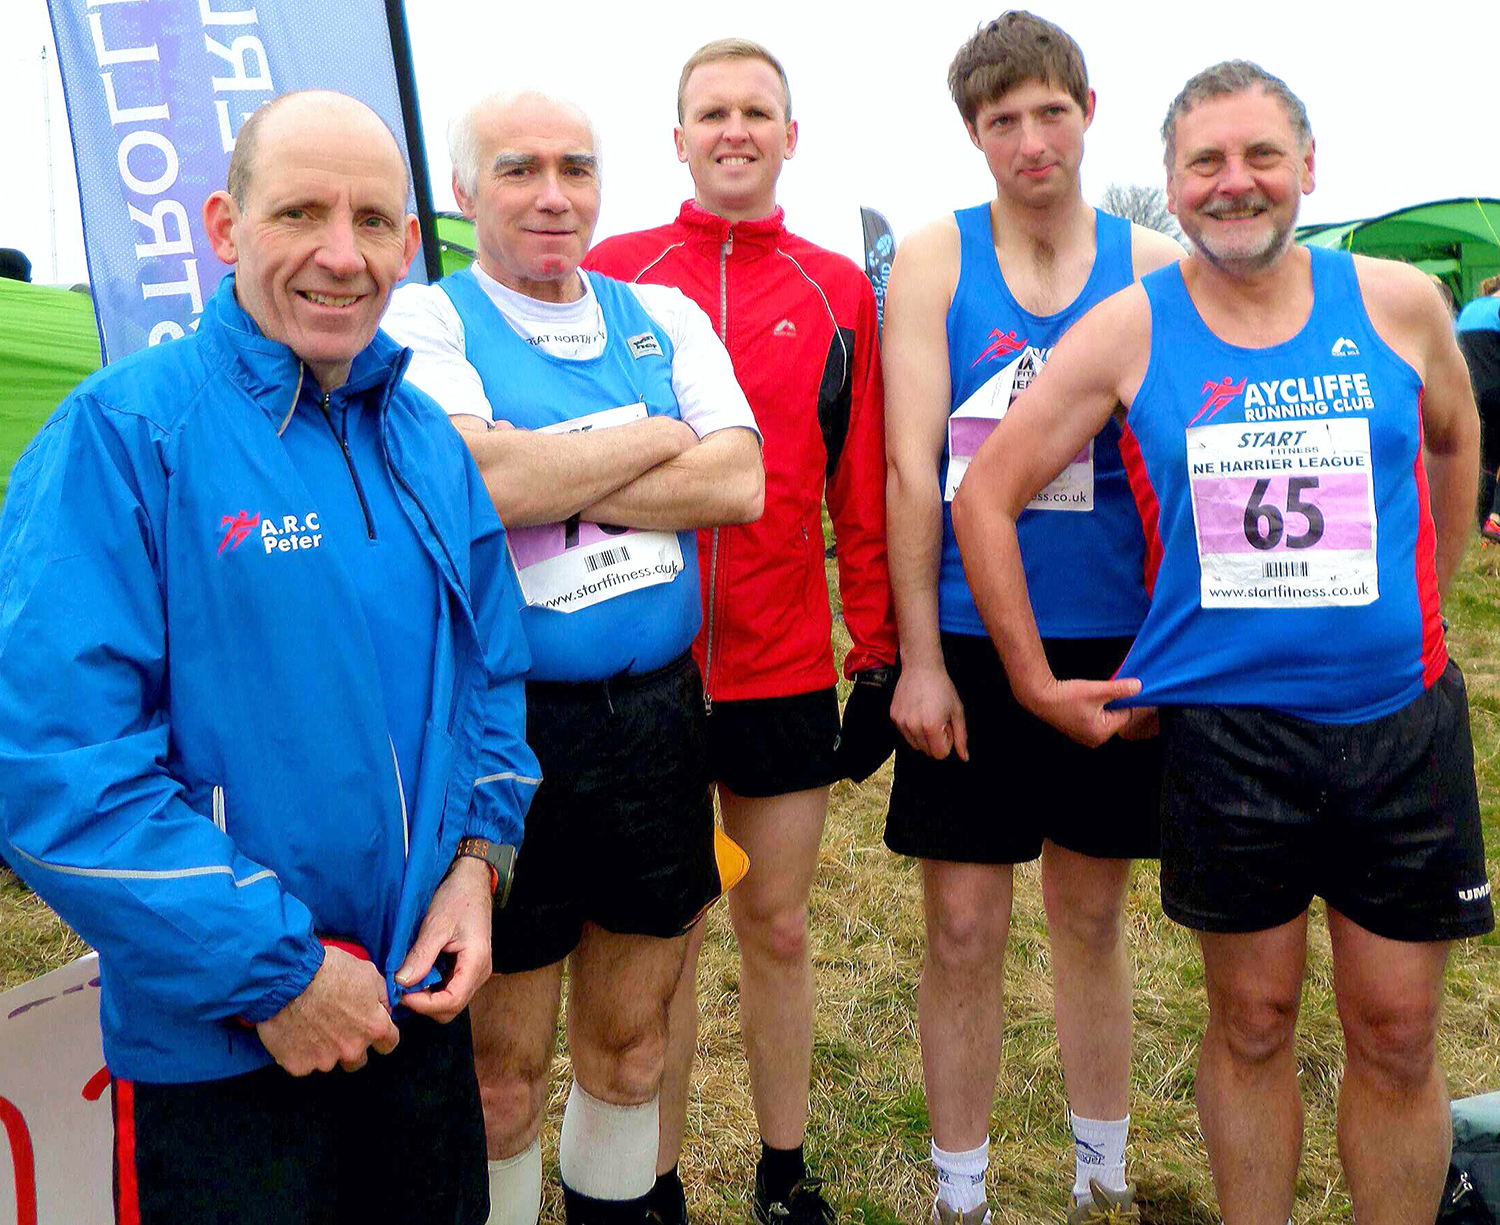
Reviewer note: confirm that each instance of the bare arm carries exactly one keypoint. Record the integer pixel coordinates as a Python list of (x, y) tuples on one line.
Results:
[(719, 480), (1098, 364), (1406, 310), (914, 353), (1151, 249), (544, 478)]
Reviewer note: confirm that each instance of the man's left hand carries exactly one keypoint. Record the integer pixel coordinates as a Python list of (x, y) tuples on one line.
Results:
[(457, 922), (866, 735)]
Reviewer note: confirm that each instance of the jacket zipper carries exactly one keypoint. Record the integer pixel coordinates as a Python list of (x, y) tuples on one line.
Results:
[(218, 808), (713, 554), (349, 460)]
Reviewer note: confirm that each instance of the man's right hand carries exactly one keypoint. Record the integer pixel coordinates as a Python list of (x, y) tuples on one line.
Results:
[(926, 710), (335, 1021), (1076, 708)]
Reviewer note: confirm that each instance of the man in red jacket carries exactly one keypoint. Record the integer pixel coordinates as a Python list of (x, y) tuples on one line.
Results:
[(800, 325)]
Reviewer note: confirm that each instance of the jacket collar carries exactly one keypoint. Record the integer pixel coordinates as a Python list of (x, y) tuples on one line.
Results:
[(757, 235), (267, 370)]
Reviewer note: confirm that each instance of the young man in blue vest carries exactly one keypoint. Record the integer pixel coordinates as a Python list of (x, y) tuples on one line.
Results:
[(1303, 449), (609, 427), (976, 302)]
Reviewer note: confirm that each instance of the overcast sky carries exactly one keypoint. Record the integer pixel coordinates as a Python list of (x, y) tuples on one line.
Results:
[(1403, 99)]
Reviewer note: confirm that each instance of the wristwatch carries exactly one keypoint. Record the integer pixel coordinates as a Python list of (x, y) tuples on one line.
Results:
[(883, 676), (500, 856)]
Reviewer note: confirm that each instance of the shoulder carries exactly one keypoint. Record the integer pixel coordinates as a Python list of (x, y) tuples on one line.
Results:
[(416, 301), (672, 310), (627, 255), (924, 274), (159, 385), (1150, 249), (1403, 304)]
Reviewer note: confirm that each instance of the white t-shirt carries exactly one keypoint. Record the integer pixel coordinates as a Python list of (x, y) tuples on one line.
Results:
[(423, 318)]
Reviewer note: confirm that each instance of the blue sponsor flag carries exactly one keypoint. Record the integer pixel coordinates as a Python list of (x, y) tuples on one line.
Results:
[(880, 250), (156, 92)]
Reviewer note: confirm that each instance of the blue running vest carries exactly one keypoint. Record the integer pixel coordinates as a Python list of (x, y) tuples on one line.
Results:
[(1084, 554), (1291, 553), (637, 630)]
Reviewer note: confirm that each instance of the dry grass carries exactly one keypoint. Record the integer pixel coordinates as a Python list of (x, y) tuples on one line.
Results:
[(869, 1122)]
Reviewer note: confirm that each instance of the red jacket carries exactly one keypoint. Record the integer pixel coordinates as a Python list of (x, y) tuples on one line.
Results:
[(815, 387)]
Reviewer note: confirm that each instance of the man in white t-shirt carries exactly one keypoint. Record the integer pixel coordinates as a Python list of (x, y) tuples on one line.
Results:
[(608, 426)]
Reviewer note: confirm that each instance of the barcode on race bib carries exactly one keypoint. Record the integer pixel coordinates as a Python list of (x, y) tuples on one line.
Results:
[(610, 557)]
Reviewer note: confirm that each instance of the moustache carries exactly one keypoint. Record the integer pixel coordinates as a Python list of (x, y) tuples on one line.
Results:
[(1217, 208)]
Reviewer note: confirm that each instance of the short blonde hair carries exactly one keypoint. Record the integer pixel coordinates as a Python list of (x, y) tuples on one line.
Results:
[(1489, 285), (731, 49)]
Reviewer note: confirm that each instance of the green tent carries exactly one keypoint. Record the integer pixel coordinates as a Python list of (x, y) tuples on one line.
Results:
[(1457, 240), (457, 246), (48, 344)]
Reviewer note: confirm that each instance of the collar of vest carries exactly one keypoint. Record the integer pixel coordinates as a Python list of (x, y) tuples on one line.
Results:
[(267, 370), (755, 236)]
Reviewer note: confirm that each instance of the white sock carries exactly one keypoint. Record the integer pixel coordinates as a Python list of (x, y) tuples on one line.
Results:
[(516, 1187), (960, 1176), (1099, 1152), (607, 1151)]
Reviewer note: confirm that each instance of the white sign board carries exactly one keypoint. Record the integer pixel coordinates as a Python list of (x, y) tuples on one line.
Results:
[(54, 1101)]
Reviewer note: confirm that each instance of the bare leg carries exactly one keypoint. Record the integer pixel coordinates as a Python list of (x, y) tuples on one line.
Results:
[(1394, 1125), (1248, 1102), (515, 1029), (769, 912), (959, 1001), (1084, 898), (682, 1045)]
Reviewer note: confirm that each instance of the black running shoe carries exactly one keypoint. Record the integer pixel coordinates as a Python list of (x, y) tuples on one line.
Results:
[(804, 1204)]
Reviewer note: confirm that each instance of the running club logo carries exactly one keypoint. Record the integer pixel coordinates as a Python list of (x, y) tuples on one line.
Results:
[(236, 528), (1002, 344), (1220, 395)]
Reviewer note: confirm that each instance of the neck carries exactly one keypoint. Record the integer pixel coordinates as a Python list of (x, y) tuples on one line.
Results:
[(1055, 226), (330, 375), (733, 213), (1259, 289), (567, 287)]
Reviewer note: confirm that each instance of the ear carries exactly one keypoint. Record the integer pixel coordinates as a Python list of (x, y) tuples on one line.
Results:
[(220, 216), (1171, 194), (791, 138), (1309, 178), (465, 201), (413, 244), (973, 135), (681, 143), (1088, 111)]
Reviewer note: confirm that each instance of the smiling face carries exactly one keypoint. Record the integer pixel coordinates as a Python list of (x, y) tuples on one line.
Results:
[(1032, 138), (734, 136), (536, 199), (1237, 179), (323, 235)]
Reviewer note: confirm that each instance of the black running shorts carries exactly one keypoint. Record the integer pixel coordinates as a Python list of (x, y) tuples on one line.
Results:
[(621, 831), (402, 1139), (772, 746), (1262, 812), (1025, 782)]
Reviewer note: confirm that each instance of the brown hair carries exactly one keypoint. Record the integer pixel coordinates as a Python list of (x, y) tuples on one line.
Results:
[(1017, 46), (1489, 285), (732, 49)]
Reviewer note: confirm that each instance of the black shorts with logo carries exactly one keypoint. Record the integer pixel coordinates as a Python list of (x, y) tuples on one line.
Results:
[(772, 746), (621, 831), (402, 1139), (1262, 811), (1025, 782)]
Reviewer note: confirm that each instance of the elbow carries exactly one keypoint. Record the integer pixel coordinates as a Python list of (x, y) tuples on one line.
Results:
[(751, 502)]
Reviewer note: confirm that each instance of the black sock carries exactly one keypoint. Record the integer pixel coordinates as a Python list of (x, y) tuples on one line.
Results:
[(668, 1198), (780, 1170), (581, 1209)]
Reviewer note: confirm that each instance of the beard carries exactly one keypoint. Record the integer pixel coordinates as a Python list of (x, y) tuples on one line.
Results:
[(1241, 253)]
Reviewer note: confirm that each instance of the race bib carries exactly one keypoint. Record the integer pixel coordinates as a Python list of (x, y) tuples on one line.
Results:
[(577, 564), (1285, 514), (976, 418)]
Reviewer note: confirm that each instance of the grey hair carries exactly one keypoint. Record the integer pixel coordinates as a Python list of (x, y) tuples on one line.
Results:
[(1232, 77), (463, 134)]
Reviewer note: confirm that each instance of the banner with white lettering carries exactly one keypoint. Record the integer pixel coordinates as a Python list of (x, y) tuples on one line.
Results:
[(54, 1101), (156, 92)]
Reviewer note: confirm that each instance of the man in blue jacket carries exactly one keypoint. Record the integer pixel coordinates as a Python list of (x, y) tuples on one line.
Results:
[(261, 714)]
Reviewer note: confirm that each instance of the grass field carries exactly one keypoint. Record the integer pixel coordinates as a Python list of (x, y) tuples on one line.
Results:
[(869, 1131)]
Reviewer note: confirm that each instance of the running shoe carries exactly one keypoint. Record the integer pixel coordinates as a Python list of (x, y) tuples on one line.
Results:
[(1105, 1207), (944, 1215), (1489, 532), (804, 1204)]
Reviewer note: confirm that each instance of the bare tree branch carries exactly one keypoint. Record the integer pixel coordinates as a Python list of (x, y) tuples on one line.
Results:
[(1145, 206)]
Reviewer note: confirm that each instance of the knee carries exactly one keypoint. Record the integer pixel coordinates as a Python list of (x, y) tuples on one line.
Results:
[(621, 1063), (1256, 1029), (774, 935), (1395, 1044), (964, 938), (514, 1098), (1093, 923)]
